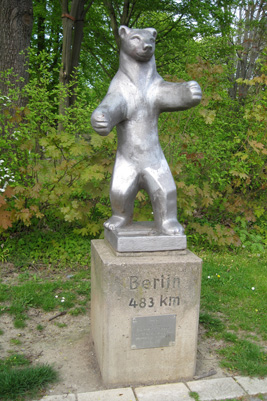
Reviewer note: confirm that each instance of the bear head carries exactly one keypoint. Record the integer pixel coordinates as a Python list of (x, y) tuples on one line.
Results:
[(138, 43)]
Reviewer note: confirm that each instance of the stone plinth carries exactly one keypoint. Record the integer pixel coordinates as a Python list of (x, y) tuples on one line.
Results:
[(144, 314), (142, 237)]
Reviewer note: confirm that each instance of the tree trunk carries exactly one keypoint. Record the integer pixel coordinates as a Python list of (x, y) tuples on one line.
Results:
[(16, 19), (41, 27), (73, 23), (250, 40)]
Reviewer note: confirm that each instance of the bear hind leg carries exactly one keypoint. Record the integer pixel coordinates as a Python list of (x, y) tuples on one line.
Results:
[(124, 188), (162, 192)]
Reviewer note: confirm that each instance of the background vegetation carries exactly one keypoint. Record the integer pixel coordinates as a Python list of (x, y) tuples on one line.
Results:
[(54, 170)]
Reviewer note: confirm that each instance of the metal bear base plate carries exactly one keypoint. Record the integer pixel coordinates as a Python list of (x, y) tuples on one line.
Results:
[(142, 237)]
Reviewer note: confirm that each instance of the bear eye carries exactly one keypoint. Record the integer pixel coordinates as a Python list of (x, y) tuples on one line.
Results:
[(135, 38), (152, 40)]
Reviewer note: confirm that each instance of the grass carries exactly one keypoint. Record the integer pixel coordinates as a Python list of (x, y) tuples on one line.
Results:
[(236, 286), (18, 379), (53, 275), (194, 395), (42, 282), (245, 357), (15, 341), (233, 308), (52, 293)]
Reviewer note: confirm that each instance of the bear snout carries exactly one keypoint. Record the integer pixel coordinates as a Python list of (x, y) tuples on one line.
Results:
[(147, 47)]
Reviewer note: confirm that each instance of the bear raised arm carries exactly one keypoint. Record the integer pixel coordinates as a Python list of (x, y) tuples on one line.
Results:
[(178, 96), (109, 113), (136, 96)]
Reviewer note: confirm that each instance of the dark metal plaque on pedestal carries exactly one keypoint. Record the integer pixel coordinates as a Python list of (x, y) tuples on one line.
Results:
[(153, 331)]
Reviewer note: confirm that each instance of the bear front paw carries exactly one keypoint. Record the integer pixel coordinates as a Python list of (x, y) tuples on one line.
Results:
[(100, 122), (115, 222), (195, 91)]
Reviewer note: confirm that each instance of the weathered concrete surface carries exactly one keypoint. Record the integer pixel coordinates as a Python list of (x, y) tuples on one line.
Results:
[(252, 385), (120, 394), (65, 397), (208, 389), (164, 392), (216, 389), (128, 287)]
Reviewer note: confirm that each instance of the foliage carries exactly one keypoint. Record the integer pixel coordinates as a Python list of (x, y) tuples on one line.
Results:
[(49, 174), (56, 246), (217, 153), (65, 173), (176, 23), (55, 168)]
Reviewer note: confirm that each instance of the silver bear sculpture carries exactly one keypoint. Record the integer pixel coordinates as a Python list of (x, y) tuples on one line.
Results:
[(135, 98)]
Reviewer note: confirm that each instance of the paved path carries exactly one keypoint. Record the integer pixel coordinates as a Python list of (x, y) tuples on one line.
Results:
[(227, 388)]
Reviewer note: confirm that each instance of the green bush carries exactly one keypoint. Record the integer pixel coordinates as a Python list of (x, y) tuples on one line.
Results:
[(55, 170)]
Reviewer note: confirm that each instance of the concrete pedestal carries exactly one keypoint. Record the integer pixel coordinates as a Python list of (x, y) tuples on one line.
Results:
[(144, 314)]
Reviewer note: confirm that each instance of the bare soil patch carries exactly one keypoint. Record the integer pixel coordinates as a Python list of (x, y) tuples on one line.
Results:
[(65, 343), (70, 350)]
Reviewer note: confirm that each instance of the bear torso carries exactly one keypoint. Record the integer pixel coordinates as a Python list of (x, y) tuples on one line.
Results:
[(137, 81)]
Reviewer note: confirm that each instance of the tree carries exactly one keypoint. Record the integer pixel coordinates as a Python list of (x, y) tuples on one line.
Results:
[(249, 41), (73, 23), (16, 19), (176, 23)]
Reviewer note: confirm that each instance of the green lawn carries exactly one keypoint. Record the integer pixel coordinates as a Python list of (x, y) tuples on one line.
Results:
[(233, 301), (234, 308)]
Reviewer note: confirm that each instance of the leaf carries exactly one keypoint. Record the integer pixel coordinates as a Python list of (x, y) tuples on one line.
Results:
[(94, 228), (19, 189), (19, 203), (24, 215), (39, 215), (206, 201), (9, 192), (216, 96), (28, 145), (180, 184), (208, 115), (140, 196), (259, 211), (205, 101), (5, 219), (238, 174), (2, 201), (93, 172), (35, 191), (96, 139), (257, 146)]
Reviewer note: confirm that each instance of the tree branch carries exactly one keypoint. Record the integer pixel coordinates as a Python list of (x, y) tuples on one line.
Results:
[(87, 8), (100, 63), (113, 20)]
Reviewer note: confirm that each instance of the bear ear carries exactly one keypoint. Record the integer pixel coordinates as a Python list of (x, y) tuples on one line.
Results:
[(124, 30), (152, 31)]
